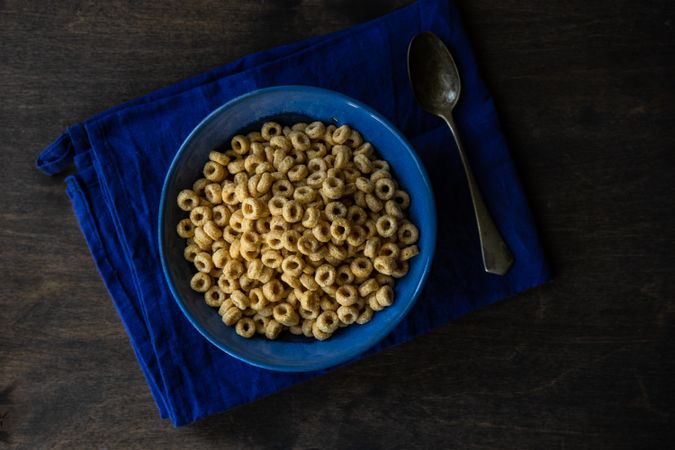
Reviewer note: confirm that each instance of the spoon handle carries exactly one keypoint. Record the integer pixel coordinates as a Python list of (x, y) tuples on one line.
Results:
[(497, 257)]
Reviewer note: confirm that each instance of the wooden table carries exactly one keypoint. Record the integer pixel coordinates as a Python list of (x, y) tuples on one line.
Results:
[(586, 94)]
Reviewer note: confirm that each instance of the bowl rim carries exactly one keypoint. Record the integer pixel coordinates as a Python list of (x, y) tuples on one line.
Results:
[(379, 334)]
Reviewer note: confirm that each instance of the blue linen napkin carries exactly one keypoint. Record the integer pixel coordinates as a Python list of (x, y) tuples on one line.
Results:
[(121, 157)]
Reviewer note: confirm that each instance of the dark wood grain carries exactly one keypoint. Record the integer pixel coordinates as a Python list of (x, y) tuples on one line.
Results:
[(586, 92)]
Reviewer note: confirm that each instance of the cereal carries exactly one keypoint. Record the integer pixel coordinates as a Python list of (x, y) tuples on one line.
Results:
[(297, 228)]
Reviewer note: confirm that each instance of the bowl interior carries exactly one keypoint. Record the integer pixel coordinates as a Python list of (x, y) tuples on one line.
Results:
[(288, 105)]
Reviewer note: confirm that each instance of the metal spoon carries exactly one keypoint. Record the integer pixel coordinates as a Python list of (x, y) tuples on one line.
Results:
[(435, 81)]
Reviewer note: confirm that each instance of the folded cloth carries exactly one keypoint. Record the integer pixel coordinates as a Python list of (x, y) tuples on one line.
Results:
[(122, 155)]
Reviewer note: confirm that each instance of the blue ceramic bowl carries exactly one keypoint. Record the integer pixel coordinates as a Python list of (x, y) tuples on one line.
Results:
[(289, 104)]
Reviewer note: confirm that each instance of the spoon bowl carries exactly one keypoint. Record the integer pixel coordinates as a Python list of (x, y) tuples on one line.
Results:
[(435, 80)]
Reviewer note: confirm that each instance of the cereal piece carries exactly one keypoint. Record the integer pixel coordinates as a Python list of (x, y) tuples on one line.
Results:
[(297, 173), (274, 240), (332, 187), (308, 244), (322, 231), (292, 211), (346, 295), (389, 249), (373, 303), (357, 236), (361, 267), (202, 240), (309, 300), (290, 240), (344, 275), (309, 313), (203, 262), (273, 329), (252, 208), (318, 334), (214, 171), (272, 259), (385, 188), (239, 299), (263, 225), (339, 229), (267, 311), (315, 130), (220, 258), (245, 327), (340, 135), (246, 283), (409, 252), (371, 228), (270, 129), (304, 194), (236, 166), (373, 203), (260, 323), (310, 218), (342, 155), (393, 210), (402, 199), (281, 142), (231, 316), (385, 296), (219, 244), (285, 164), (360, 199), (219, 158), (250, 240), (240, 144), (337, 253), (308, 282), (285, 314), (214, 296), (228, 285), (400, 270), (328, 303), (335, 210), (362, 163), (213, 193), (200, 215), (408, 234), (185, 228), (318, 255), (212, 230), (364, 185), (356, 215), (255, 269), (188, 200), (282, 188), (327, 322), (292, 265), (273, 290), (347, 314), (317, 165), (290, 280), (276, 205), (368, 287), (257, 299), (384, 264), (200, 282), (365, 316), (383, 279), (224, 306), (190, 252), (229, 235)]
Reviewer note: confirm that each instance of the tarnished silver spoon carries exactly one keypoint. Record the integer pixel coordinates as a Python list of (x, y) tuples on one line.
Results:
[(435, 81)]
